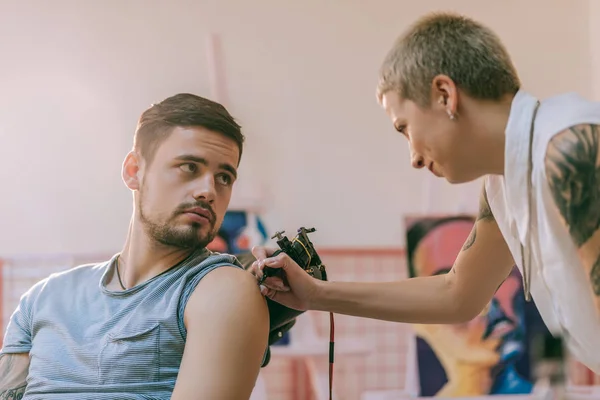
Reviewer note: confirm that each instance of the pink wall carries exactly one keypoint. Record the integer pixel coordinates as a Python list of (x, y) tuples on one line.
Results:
[(595, 47)]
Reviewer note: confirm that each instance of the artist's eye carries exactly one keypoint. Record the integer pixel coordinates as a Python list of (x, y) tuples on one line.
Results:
[(401, 129), (189, 167), (224, 179)]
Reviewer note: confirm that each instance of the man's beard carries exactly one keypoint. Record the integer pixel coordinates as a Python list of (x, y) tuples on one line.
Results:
[(183, 237)]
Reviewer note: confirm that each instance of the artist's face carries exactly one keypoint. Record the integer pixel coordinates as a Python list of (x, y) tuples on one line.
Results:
[(182, 195), (483, 340), (435, 141)]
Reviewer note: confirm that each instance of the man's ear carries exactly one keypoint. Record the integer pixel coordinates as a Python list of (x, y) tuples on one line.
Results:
[(131, 170), (444, 94)]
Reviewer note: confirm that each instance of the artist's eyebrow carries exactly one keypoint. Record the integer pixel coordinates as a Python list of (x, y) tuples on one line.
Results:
[(200, 160)]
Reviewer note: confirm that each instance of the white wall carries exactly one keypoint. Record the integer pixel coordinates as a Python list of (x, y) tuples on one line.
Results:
[(301, 75)]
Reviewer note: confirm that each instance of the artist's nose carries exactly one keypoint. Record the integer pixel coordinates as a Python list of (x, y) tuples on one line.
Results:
[(205, 188), (417, 160)]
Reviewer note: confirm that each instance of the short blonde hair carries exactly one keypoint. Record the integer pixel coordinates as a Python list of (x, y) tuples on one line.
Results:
[(450, 44)]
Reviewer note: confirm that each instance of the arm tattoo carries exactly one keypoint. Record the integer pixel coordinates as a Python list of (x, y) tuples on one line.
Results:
[(470, 239), (13, 394), (573, 173), (14, 369), (595, 277), (485, 214)]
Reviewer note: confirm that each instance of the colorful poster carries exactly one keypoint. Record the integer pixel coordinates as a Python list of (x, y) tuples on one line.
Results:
[(240, 231), (487, 355)]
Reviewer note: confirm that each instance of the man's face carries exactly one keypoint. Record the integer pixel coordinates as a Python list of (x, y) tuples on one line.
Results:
[(435, 141), (185, 191)]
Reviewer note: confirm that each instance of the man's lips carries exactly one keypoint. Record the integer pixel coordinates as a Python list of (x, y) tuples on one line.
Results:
[(200, 213)]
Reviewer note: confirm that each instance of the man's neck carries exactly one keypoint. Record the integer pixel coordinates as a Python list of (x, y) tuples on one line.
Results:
[(142, 258)]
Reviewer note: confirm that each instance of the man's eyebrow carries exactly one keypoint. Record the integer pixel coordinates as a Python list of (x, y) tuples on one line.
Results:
[(200, 160), (229, 168), (193, 158)]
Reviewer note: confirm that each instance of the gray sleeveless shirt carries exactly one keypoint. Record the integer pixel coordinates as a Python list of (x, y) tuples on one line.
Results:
[(87, 342)]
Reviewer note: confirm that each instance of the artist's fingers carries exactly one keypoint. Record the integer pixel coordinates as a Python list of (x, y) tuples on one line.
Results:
[(273, 282), (276, 283), (255, 270), (267, 291), (284, 262), (273, 294), (262, 252)]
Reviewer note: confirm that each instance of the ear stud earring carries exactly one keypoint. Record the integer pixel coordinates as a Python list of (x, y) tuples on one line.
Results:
[(442, 101)]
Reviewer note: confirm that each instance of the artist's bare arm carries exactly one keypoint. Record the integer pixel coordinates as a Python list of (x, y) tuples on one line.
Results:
[(573, 172), (227, 324), (13, 375), (480, 268)]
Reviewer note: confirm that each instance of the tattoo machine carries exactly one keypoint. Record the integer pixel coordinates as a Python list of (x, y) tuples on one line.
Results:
[(302, 251)]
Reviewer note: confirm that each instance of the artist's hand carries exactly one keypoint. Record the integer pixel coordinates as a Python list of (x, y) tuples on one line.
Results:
[(301, 288)]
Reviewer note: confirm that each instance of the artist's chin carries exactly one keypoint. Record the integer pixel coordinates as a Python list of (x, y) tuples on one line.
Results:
[(454, 180)]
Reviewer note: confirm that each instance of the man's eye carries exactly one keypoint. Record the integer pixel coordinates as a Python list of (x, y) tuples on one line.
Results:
[(224, 179), (189, 167)]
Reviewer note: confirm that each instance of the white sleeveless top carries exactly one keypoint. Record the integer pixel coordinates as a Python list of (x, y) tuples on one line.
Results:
[(559, 284)]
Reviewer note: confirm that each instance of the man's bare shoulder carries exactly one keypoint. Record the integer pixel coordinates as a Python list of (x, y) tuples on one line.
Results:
[(227, 320), (226, 290)]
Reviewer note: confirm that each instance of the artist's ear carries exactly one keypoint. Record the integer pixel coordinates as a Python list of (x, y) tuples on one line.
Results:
[(131, 170), (444, 94)]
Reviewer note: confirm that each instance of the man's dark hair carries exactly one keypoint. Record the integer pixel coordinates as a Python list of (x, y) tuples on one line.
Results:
[(182, 110)]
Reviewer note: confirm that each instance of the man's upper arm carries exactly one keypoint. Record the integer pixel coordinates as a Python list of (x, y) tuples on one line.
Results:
[(483, 263), (13, 375), (572, 166), (227, 324)]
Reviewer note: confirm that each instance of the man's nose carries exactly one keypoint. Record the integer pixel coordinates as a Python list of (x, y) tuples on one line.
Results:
[(205, 188)]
